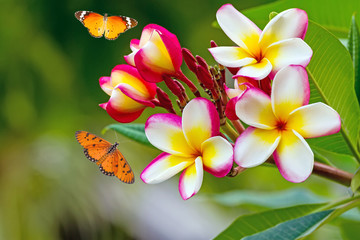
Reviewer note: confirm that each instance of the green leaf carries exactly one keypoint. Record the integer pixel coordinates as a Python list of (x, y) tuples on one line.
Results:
[(342, 161), (274, 199), (293, 229), (353, 46), (254, 223), (355, 182), (331, 80), (334, 15), (134, 131)]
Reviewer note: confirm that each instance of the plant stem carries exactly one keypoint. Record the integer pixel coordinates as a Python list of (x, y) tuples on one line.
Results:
[(323, 170), (230, 132)]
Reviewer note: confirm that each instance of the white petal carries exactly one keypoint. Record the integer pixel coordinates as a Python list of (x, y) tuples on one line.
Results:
[(254, 146), (217, 154), (191, 179), (293, 51), (164, 167), (256, 71), (237, 27), (291, 23), (315, 120), (294, 157), (231, 56)]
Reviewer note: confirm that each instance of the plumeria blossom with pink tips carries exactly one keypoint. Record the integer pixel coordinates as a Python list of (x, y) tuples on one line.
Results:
[(191, 144), (262, 53), (129, 93), (158, 52), (279, 124)]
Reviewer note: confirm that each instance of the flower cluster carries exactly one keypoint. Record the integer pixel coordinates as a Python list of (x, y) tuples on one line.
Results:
[(270, 95)]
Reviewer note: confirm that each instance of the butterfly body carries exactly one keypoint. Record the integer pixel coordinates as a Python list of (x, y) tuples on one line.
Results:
[(106, 155), (108, 26)]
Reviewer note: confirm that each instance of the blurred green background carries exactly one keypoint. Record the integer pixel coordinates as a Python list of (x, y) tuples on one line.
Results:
[(49, 71)]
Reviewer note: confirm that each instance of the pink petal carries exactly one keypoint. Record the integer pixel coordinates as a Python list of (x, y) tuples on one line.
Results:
[(290, 91), (134, 44), (238, 28), (200, 121), (315, 120), (173, 47), (232, 56), (230, 112), (254, 146), (191, 179), (105, 84), (253, 107), (134, 94), (217, 155), (256, 71), (164, 167), (291, 23), (164, 131), (294, 157), (121, 116)]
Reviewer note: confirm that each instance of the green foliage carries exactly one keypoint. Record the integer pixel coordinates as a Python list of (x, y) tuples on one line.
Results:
[(293, 229), (353, 46), (247, 225), (331, 81), (134, 131), (271, 199), (334, 15), (355, 182)]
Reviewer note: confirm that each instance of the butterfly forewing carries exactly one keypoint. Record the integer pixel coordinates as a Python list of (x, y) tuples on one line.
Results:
[(115, 25)]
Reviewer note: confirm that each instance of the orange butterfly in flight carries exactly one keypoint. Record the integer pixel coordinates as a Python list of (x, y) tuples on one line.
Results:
[(109, 159), (99, 25)]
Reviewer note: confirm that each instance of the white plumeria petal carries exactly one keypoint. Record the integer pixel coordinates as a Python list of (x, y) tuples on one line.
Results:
[(254, 146), (294, 157), (315, 120), (164, 167), (293, 51), (238, 28), (164, 131), (253, 107), (217, 155), (256, 71), (191, 179), (290, 90), (200, 121), (232, 56), (291, 23)]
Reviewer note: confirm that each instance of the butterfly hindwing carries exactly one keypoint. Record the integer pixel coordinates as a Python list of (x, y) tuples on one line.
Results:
[(99, 25), (124, 172)]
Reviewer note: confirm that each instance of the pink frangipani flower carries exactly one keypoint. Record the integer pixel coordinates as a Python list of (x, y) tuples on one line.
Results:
[(158, 52), (279, 124), (191, 144), (129, 93), (262, 53)]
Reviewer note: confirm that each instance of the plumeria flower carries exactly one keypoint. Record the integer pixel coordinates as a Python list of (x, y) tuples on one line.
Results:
[(158, 52), (279, 125), (129, 93), (191, 144), (262, 53)]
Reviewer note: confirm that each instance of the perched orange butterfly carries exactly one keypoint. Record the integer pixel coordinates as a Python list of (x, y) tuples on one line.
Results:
[(99, 25), (109, 159)]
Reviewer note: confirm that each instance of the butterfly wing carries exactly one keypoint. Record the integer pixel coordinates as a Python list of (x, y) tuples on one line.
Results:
[(115, 164), (94, 147), (94, 22), (115, 25), (122, 169)]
